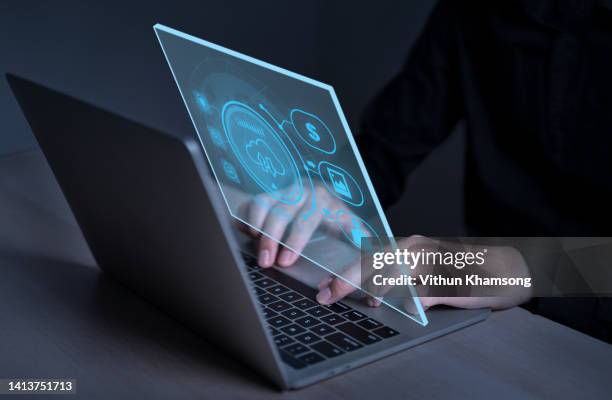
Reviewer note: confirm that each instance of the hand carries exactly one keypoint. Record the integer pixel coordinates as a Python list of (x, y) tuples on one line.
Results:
[(333, 289), (500, 261), (296, 223)]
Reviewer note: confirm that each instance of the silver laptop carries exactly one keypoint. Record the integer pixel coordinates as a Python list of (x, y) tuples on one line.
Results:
[(155, 218)]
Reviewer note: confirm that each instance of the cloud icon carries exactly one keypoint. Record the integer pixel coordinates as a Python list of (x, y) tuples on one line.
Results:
[(260, 153)]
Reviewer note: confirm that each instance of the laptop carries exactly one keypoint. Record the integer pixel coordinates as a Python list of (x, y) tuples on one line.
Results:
[(155, 219)]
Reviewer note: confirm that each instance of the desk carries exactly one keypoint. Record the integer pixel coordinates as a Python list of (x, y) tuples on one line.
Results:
[(61, 317)]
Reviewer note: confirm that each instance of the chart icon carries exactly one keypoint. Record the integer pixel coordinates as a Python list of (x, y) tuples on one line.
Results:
[(341, 183), (338, 181)]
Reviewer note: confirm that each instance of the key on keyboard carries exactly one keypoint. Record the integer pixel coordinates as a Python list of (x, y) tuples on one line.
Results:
[(327, 349), (322, 329), (343, 341), (264, 283), (278, 289), (333, 319), (293, 313), (267, 313), (282, 340), (318, 311), (279, 306), (311, 358), (307, 338), (307, 322), (353, 315), (290, 297), (295, 349), (267, 298), (369, 324), (358, 333), (278, 321), (304, 304), (293, 330)]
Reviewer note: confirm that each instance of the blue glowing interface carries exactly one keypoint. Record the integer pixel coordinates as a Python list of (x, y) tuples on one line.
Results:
[(282, 154)]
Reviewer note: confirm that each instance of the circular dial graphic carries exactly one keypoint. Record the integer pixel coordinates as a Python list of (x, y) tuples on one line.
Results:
[(262, 153)]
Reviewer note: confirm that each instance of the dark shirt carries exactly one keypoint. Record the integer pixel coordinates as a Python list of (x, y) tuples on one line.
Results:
[(533, 82)]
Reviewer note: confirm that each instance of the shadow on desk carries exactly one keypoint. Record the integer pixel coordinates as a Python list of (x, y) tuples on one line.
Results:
[(77, 322)]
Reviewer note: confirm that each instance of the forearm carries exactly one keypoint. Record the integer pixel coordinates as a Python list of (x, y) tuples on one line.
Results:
[(416, 110)]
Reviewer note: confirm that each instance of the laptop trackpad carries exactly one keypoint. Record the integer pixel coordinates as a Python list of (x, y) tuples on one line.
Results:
[(310, 274)]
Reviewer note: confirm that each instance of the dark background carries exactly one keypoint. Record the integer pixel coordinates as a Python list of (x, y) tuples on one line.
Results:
[(106, 53)]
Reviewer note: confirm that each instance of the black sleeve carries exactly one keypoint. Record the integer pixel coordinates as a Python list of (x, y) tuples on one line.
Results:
[(417, 110)]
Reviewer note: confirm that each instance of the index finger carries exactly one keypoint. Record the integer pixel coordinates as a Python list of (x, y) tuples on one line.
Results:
[(340, 286)]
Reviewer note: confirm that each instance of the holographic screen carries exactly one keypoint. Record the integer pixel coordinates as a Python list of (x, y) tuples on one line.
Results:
[(284, 157)]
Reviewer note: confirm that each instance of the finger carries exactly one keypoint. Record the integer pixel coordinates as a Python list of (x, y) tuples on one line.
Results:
[(428, 302), (300, 233), (258, 210), (325, 282), (335, 288), (340, 286), (267, 247), (372, 301), (275, 225)]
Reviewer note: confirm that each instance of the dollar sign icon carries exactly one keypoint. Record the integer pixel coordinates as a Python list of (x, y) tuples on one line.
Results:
[(312, 132)]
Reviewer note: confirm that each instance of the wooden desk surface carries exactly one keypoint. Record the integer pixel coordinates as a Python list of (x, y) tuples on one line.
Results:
[(61, 317)]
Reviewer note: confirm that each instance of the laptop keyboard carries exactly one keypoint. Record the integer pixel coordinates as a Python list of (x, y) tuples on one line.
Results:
[(304, 331)]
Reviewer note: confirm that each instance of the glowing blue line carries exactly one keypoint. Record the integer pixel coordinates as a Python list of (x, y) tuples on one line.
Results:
[(242, 56), (246, 125)]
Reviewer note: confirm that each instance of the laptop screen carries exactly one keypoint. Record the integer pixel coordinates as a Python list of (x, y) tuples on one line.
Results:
[(284, 158)]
